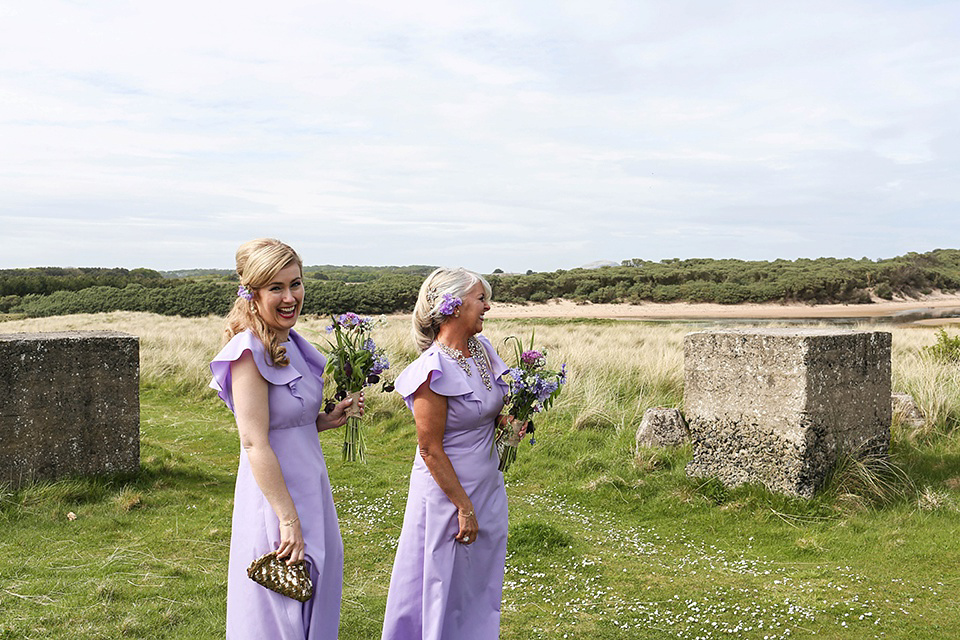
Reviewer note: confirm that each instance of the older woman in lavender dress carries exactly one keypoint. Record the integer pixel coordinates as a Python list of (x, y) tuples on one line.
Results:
[(271, 379), (448, 574)]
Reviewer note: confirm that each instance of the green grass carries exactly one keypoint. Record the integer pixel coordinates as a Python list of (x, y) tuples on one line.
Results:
[(602, 544), (606, 542), (144, 556)]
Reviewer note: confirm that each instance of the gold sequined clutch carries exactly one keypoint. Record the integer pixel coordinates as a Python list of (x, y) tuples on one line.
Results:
[(292, 581)]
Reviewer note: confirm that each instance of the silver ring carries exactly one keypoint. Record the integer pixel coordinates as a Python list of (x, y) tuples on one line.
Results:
[(466, 538)]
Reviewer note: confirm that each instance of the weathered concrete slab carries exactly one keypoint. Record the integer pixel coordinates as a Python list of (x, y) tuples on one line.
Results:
[(662, 427), (906, 412), (69, 404), (778, 406)]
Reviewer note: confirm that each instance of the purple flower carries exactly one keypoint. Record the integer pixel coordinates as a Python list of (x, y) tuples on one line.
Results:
[(532, 357), (449, 305), (244, 293), (516, 378), (380, 364), (348, 320), (546, 389)]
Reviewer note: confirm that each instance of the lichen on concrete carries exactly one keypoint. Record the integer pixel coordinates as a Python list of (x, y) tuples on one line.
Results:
[(69, 405), (779, 406)]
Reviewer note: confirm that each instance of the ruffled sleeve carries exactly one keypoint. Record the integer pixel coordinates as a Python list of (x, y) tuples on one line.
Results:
[(447, 378), (315, 360), (240, 343)]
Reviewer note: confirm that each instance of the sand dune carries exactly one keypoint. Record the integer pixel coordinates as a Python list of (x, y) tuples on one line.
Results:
[(934, 304)]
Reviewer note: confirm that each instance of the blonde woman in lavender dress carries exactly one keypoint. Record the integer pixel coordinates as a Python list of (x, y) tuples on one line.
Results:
[(271, 379), (448, 573)]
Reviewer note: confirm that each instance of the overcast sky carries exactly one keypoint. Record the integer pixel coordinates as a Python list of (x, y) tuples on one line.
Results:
[(519, 134)]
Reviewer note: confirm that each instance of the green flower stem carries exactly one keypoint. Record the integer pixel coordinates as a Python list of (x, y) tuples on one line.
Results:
[(507, 456), (353, 448)]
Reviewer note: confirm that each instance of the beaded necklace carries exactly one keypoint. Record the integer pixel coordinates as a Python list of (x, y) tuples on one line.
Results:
[(478, 355)]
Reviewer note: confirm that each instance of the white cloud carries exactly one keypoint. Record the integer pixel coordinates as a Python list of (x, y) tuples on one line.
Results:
[(511, 135)]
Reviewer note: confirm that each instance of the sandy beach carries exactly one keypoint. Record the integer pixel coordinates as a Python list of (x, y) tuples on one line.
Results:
[(916, 310)]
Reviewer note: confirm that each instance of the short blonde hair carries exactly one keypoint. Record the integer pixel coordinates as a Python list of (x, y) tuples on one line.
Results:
[(258, 262), (426, 314)]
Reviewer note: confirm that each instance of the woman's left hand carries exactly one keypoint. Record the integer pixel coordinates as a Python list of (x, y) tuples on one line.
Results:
[(503, 420), (469, 528), (338, 416), (523, 429), (292, 546)]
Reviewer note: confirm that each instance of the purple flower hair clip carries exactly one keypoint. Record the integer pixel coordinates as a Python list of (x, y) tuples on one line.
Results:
[(244, 293), (449, 305)]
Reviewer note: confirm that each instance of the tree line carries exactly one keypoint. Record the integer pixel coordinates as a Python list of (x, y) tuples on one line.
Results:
[(371, 290), (821, 280)]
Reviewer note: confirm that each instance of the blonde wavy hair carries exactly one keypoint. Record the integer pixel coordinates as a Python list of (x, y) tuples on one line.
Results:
[(258, 262), (426, 314)]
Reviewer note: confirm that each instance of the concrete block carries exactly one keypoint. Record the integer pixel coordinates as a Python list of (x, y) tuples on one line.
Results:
[(906, 412), (69, 405), (662, 428), (779, 406)]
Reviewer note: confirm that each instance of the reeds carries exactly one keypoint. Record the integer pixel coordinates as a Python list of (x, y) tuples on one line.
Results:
[(617, 369)]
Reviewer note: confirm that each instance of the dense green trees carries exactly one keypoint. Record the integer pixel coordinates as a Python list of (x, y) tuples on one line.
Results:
[(732, 281), (21, 282), (370, 290)]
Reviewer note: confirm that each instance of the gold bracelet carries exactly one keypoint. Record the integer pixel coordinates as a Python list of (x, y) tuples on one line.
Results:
[(290, 523), (465, 514)]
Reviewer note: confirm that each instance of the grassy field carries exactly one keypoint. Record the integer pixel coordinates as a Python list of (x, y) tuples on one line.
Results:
[(606, 541)]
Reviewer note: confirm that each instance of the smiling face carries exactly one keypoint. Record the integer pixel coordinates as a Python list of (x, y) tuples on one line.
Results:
[(279, 302), (474, 305)]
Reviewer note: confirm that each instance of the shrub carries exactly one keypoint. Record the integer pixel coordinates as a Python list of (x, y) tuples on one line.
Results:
[(946, 349)]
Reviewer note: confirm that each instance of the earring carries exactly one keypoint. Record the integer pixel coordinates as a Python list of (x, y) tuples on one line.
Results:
[(456, 314)]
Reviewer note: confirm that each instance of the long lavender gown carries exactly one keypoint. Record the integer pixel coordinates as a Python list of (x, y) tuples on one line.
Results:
[(442, 589), (295, 395)]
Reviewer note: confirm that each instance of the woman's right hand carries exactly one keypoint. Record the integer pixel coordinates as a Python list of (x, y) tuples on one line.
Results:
[(291, 542), (469, 527)]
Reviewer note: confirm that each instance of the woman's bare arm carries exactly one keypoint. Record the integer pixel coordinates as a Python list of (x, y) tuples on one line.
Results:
[(253, 422), (430, 414)]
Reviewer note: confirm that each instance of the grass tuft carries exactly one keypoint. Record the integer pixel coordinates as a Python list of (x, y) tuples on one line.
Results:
[(537, 537), (128, 499), (872, 480), (931, 499)]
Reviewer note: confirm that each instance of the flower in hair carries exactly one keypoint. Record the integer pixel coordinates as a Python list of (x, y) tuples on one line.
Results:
[(244, 293), (449, 305)]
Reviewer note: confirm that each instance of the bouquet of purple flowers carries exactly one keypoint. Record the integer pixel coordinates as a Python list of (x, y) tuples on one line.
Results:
[(354, 362), (533, 388)]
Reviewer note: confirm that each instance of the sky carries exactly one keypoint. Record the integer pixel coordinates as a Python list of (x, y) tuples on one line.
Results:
[(490, 134)]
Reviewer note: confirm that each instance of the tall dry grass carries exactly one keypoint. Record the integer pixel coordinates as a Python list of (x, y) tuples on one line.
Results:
[(173, 350), (934, 385), (617, 369)]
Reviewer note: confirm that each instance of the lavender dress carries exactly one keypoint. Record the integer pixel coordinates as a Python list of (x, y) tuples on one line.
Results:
[(442, 589), (295, 395)]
